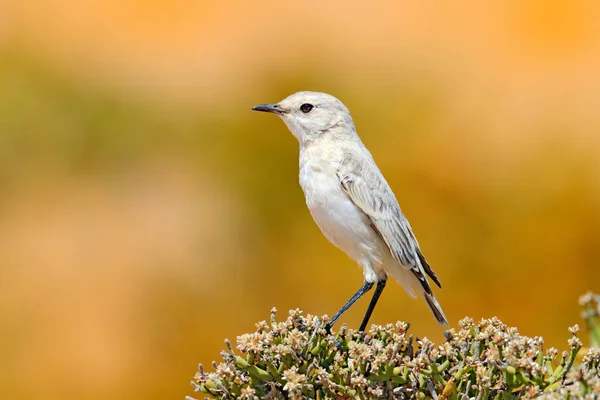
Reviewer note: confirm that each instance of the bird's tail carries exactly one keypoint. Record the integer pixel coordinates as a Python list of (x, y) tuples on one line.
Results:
[(435, 308), (415, 281)]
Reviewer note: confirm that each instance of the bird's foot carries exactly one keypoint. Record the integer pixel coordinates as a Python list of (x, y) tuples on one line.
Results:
[(327, 328), (336, 342)]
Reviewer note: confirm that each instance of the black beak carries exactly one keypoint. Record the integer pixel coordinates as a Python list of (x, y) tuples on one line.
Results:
[(272, 108)]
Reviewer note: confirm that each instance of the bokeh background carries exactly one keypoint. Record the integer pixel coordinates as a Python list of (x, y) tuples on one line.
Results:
[(146, 213)]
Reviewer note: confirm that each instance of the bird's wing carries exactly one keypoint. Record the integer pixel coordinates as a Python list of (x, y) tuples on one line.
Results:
[(369, 191)]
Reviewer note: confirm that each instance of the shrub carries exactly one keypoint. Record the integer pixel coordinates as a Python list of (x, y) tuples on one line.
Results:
[(297, 359)]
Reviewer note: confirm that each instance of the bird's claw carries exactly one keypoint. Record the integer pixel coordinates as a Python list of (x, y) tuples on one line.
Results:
[(327, 328), (336, 342)]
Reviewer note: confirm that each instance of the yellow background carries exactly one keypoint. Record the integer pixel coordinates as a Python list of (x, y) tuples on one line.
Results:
[(146, 213)]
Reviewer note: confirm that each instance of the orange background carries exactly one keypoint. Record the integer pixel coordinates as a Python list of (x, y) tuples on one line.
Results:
[(147, 214)]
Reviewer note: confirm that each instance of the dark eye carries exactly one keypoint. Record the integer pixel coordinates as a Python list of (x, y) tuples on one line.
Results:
[(306, 107)]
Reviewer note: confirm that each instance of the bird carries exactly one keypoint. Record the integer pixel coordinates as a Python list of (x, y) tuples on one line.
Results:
[(352, 203)]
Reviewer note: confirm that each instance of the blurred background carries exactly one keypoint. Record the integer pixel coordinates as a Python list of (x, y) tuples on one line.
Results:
[(146, 213)]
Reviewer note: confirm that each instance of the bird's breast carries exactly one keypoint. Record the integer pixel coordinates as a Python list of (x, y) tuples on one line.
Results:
[(340, 220)]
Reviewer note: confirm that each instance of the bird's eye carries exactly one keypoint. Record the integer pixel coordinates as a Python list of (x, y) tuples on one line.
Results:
[(305, 108)]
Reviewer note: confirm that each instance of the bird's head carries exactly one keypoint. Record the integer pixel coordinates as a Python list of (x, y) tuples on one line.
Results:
[(312, 115)]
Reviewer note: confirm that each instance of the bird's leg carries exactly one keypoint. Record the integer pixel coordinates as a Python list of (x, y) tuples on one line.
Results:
[(363, 289), (378, 289)]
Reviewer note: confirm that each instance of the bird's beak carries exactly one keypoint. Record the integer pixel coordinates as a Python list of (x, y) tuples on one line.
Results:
[(272, 108)]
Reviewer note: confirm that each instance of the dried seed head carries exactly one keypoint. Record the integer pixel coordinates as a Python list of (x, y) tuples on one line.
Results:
[(575, 342), (574, 329)]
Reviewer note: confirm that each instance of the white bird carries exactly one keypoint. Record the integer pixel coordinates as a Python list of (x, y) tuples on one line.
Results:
[(351, 201)]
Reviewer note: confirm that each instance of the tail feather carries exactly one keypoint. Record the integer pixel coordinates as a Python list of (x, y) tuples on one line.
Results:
[(436, 309), (415, 282), (428, 269)]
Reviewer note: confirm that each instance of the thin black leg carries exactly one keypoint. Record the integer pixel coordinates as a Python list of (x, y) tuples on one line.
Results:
[(378, 289), (363, 289)]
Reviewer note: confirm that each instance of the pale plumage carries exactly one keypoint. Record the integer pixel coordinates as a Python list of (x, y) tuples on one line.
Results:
[(351, 201)]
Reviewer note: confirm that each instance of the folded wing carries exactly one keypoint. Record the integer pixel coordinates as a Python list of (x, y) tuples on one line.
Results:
[(367, 188)]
